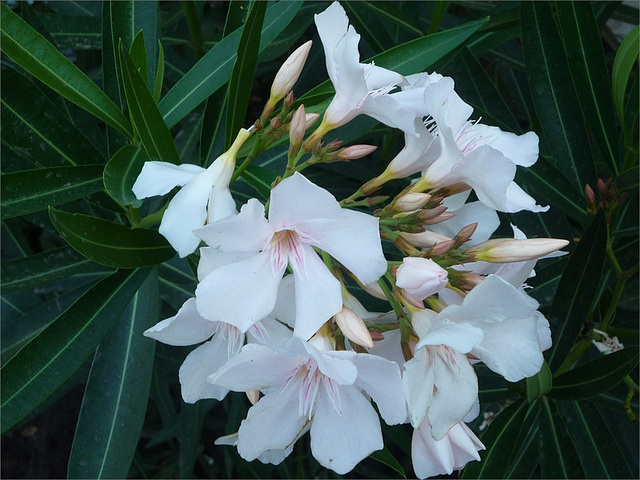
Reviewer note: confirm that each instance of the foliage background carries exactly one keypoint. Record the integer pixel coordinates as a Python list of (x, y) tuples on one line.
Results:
[(86, 100)]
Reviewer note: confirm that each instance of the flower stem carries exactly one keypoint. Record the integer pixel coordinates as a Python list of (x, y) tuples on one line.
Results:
[(255, 151)]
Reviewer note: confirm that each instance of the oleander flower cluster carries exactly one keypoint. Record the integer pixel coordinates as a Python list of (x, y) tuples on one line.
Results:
[(274, 314)]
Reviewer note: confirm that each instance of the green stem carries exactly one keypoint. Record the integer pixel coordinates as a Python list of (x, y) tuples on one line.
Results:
[(255, 151), (189, 8), (397, 308), (577, 351), (621, 332), (151, 220), (349, 200), (438, 13), (617, 294)]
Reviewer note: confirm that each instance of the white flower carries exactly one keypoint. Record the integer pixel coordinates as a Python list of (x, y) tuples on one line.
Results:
[(301, 216), (324, 390), (203, 198), (431, 457), (421, 277)]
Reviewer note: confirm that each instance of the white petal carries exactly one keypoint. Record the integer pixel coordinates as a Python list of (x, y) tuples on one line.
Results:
[(221, 204), (353, 239), (544, 332), (381, 379), (338, 366), (318, 294), (418, 384), (212, 258), (239, 293), (460, 336), (285, 308), (520, 149), (201, 363), (271, 424), (187, 327), (518, 199), (248, 231), (340, 440), (474, 212), (332, 24), (158, 178)]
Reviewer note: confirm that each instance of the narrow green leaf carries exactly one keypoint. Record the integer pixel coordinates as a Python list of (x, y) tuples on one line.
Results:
[(214, 69), (138, 55), (154, 133), (368, 26), (622, 66), (590, 75), (42, 268), (385, 457), (525, 458), (499, 440), (212, 133), (34, 125), (109, 243), (260, 178), (236, 16), (48, 360), (121, 172), (594, 442), (34, 190), (539, 384), (116, 395), (157, 85), (392, 12), (576, 291), (74, 32), (244, 71), (558, 455), (32, 52), (554, 97), (595, 377)]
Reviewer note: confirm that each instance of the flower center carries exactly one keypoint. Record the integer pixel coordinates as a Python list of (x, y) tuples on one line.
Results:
[(286, 247)]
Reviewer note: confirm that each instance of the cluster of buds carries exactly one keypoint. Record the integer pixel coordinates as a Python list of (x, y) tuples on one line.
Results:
[(610, 198)]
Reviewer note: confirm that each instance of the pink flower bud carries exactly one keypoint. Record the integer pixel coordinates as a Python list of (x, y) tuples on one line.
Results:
[(421, 277), (374, 290), (297, 127), (353, 327), (289, 72), (311, 119), (253, 396), (353, 152), (410, 202), (512, 250), (424, 239)]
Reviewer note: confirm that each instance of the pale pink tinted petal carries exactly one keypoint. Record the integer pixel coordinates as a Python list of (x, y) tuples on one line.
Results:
[(340, 440), (271, 424), (285, 308), (411, 158), (256, 367), (381, 379), (269, 332), (158, 178), (239, 293), (201, 363), (296, 199), (417, 384), (187, 327), (248, 231), (353, 239), (338, 366), (318, 294)]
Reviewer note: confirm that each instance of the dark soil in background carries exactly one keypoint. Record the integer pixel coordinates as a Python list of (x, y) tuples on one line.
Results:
[(40, 448)]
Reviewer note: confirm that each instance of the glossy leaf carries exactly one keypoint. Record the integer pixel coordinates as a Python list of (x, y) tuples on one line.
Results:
[(525, 458), (154, 133), (121, 172), (260, 178), (34, 190), (594, 442), (558, 455), (48, 360), (626, 57), (138, 55), (391, 12), (499, 440), (590, 75), (34, 125), (553, 95), (42, 268), (109, 243), (539, 384), (385, 457), (576, 291), (117, 392), (76, 32), (214, 69), (595, 377), (244, 71), (32, 52)]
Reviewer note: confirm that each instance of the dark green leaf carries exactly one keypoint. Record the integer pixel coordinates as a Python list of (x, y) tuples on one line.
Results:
[(539, 384), (214, 69), (392, 12), (212, 121), (385, 457), (628, 180), (499, 440), (594, 442), (32, 52), (236, 16), (525, 458), (35, 190), (73, 32), (157, 84), (576, 291), (32, 124), (553, 95), (595, 377), (260, 178), (109, 243), (622, 67), (558, 455), (244, 71), (121, 172), (48, 360), (154, 133), (116, 395), (138, 55), (368, 25), (590, 75), (46, 267)]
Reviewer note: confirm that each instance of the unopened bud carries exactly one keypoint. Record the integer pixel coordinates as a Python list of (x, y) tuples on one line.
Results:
[(353, 327), (602, 188), (424, 239), (275, 123), (421, 277), (374, 290), (463, 280), (465, 234), (512, 250), (288, 102), (441, 248), (353, 152), (311, 119), (253, 396), (289, 72), (589, 195), (410, 202), (439, 219), (296, 129), (431, 213)]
